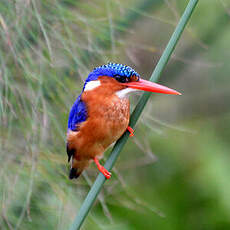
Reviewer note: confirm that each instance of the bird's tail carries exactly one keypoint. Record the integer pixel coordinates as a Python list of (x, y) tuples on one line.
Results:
[(77, 168), (74, 173)]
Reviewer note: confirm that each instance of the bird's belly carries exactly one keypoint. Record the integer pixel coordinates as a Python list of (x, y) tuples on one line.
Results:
[(115, 121)]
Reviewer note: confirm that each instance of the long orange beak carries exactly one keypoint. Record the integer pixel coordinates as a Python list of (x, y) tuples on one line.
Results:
[(151, 87)]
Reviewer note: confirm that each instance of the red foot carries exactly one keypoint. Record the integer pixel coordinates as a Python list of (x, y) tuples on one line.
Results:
[(101, 168), (131, 131)]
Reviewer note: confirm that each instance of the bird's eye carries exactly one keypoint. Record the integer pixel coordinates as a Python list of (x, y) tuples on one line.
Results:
[(121, 78)]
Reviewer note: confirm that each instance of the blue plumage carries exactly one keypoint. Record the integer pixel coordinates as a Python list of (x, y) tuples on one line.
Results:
[(78, 112)]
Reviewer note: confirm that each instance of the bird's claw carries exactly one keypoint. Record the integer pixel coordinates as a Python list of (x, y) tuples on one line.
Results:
[(102, 169), (105, 172), (131, 131)]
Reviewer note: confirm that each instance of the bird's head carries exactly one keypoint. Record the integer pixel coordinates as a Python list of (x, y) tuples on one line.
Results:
[(121, 79)]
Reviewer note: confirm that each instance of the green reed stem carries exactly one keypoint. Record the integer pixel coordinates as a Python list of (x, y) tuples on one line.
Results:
[(95, 189)]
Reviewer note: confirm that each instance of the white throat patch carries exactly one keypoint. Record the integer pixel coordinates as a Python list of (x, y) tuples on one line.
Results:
[(92, 85), (125, 92)]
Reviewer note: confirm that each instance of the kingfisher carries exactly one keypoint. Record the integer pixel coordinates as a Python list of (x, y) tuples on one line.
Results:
[(100, 114)]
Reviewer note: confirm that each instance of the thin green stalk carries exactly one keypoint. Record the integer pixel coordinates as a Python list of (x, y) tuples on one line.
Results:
[(95, 189)]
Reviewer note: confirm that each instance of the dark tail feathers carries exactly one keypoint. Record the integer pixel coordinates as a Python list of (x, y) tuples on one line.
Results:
[(74, 173), (70, 152)]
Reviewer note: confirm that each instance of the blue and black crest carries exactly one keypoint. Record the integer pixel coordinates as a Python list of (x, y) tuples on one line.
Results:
[(113, 69), (120, 72)]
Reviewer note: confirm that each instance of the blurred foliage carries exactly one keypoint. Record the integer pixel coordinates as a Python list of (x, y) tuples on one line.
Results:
[(174, 173)]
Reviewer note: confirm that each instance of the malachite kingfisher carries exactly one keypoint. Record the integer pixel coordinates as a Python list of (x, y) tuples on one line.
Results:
[(100, 114)]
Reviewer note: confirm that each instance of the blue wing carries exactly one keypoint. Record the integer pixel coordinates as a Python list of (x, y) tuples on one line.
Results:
[(78, 114)]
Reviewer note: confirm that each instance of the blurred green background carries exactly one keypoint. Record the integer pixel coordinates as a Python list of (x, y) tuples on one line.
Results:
[(174, 174)]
